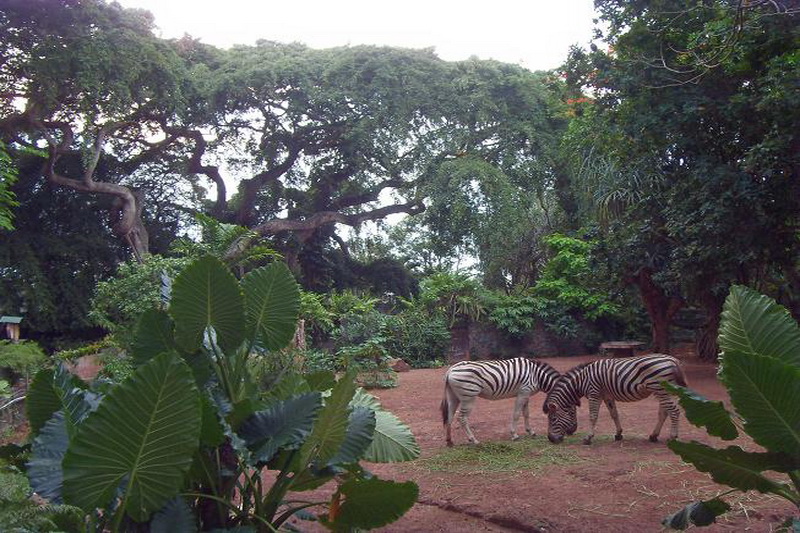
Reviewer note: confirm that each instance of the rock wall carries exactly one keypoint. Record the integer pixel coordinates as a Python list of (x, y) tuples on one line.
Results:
[(483, 341)]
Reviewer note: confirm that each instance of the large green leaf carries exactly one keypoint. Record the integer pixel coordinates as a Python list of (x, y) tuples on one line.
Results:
[(58, 390), (733, 466), (44, 468), (286, 424), (272, 304), (766, 394), (331, 426), (41, 401), (175, 517), (141, 439), (393, 441), (206, 294), (154, 336), (372, 503), (703, 412), (358, 437), (755, 324)]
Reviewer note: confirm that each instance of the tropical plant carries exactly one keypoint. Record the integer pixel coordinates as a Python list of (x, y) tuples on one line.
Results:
[(760, 368), (188, 437)]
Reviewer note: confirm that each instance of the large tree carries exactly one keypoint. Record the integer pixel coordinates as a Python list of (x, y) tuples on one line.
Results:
[(311, 139), (693, 147)]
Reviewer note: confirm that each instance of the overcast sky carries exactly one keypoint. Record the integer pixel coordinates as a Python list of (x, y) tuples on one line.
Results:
[(533, 33)]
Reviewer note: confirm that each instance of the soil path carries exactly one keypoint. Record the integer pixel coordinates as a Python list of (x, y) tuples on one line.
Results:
[(627, 486)]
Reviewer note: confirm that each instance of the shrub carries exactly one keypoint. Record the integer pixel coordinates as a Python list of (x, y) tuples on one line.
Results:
[(760, 368), (416, 337), (20, 359)]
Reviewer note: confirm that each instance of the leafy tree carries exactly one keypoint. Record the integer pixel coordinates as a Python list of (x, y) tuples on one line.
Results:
[(192, 404), (53, 259), (760, 367), (92, 80), (680, 158)]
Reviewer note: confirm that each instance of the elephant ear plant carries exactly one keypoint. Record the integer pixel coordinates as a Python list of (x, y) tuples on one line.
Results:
[(760, 367), (187, 441)]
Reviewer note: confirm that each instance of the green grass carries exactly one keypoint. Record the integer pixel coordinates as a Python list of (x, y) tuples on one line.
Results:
[(524, 455)]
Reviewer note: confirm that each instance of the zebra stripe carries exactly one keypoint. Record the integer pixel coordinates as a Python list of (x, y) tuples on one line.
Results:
[(467, 380), (610, 380)]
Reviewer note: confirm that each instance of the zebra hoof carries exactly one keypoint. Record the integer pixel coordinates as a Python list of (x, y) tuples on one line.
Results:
[(618, 436), (587, 441), (449, 444), (653, 438), (514, 437)]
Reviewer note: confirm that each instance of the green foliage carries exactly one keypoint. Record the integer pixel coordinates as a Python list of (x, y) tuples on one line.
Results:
[(19, 513), (8, 176), (241, 248), (760, 341), (457, 296), (120, 301), (416, 337), (21, 358), (681, 142), (191, 422)]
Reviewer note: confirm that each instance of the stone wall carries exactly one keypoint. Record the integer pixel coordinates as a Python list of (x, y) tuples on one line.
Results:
[(484, 341)]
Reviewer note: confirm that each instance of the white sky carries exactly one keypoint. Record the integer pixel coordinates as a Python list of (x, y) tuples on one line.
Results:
[(533, 33)]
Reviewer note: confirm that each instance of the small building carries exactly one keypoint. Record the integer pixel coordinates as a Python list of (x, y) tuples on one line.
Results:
[(11, 325)]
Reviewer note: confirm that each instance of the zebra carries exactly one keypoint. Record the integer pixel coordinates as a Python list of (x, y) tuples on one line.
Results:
[(610, 380), (493, 380)]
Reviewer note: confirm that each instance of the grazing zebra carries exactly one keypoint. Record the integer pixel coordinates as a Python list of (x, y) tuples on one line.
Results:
[(610, 380), (493, 380)]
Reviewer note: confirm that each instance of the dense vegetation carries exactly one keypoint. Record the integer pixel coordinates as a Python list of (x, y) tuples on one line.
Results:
[(414, 200)]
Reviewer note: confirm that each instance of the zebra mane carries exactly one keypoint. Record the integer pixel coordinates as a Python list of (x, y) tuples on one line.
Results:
[(574, 371)]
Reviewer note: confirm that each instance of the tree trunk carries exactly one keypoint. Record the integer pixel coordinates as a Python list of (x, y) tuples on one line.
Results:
[(706, 343), (660, 308)]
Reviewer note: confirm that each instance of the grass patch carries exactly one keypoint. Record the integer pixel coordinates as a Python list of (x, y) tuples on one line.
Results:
[(524, 455)]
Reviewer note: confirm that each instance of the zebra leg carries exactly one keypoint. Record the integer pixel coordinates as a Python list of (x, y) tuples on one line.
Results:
[(463, 417), (520, 405), (674, 415), (663, 400), (449, 407), (612, 410), (526, 416), (594, 411)]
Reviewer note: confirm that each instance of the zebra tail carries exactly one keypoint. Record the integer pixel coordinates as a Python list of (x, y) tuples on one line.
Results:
[(680, 377)]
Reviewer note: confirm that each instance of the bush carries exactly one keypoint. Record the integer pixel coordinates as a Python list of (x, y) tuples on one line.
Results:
[(21, 359), (416, 337)]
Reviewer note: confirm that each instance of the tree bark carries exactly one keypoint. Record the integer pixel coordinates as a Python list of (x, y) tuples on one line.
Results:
[(706, 344), (126, 217), (660, 308)]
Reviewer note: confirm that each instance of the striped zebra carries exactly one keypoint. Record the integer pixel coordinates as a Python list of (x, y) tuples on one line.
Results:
[(611, 380), (493, 380)]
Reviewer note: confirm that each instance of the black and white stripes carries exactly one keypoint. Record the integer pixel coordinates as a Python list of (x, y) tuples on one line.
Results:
[(493, 380), (611, 380)]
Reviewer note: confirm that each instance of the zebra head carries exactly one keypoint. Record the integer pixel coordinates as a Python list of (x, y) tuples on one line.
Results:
[(561, 408)]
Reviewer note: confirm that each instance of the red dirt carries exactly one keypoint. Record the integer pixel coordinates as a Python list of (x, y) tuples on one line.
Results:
[(627, 486)]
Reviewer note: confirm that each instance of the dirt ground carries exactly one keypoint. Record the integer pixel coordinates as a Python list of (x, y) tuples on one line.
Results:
[(627, 486)]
